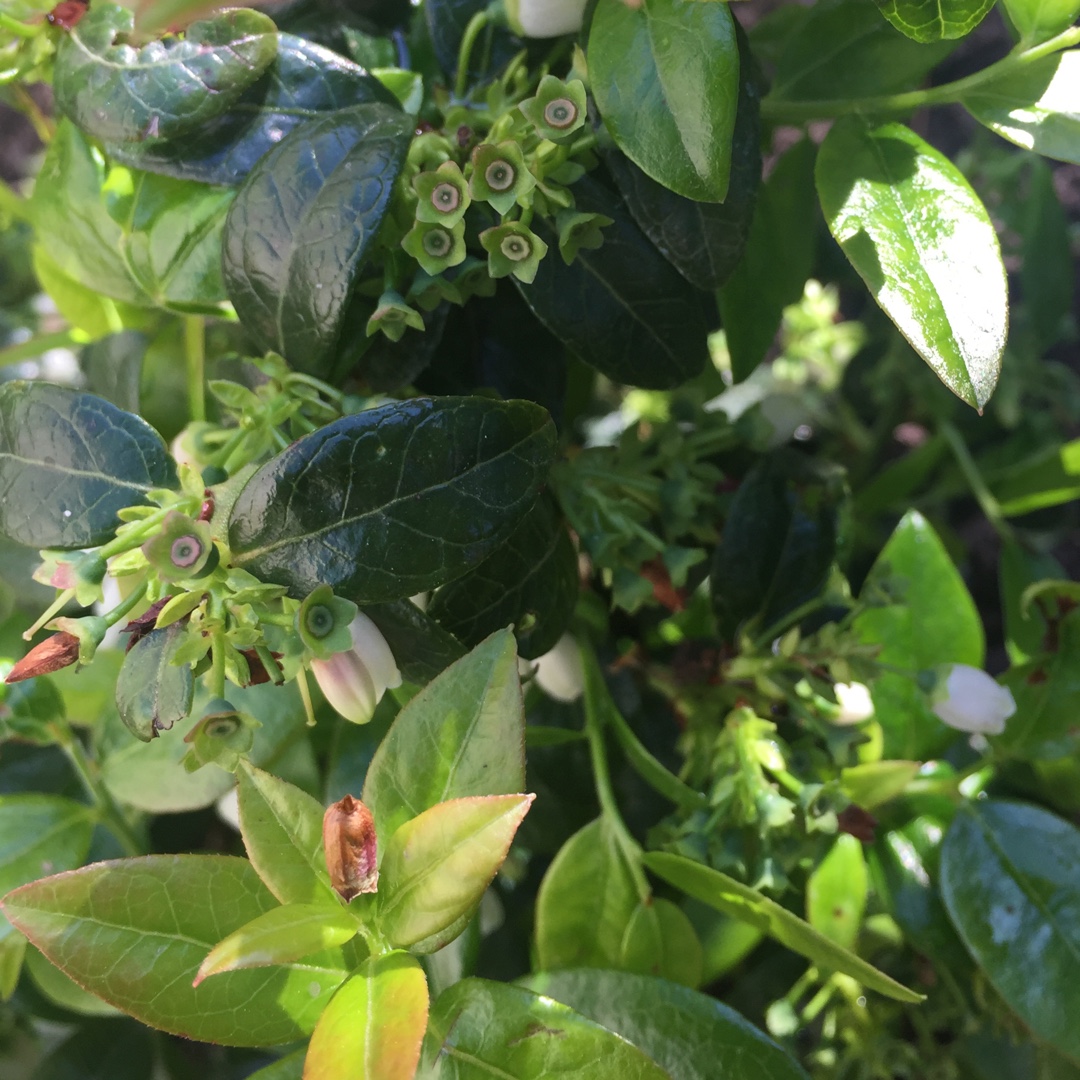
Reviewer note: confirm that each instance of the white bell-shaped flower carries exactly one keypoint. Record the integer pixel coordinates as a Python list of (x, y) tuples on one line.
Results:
[(544, 18), (355, 680), (855, 703), (559, 672), (968, 699)]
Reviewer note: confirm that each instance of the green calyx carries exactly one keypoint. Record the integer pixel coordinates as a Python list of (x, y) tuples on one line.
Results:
[(558, 108), (499, 175), (442, 196), (182, 549), (393, 316), (323, 623), (436, 247), (579, 232), (83, 572), (223, 736), (90, 631), (513, 249)]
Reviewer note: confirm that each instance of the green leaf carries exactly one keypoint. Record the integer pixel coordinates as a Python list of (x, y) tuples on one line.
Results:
[(420, 645), (703, 241), (446, 21), (622, 308), (113, 90), (843, 49), (876, 782), (1025, 629), (394, 500), (1036, 106), (152, 692), (777, 545), (12, 951), (113, 367), (118, 1050), (290, 1067), (374, 1025), (836, 892), (778, 259), (1038, 20), (279, 936), (486, 1029), (530, 581), (731, 897), (302, 224), (282, 830), (304, 81), (60, 990), (924, 244), (462, 735), (927, 618), (39, 835), (927, 21), (691, 1035), (134, 932), (1048, 478), (660, 940), (68, 462), (586, 900), (1010, 878), (665, 76)]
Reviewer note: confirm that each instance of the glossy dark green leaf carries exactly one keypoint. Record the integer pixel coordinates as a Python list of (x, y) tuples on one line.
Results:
[(485, 1029), (152, 692), (394, 500), (304, 81), (462, 735), (531, 581), (924, 244), (741, 902), (1040, 19), (777, 544), (666, 80), (302, 224), (1036, 106), (922, 616), (622, 308), (130, 932), (703, 241), (844, 49), (113, 90), (389, 365), (113, 367), (420, 645), (446, 22), (68, 462), (776, 262), (690, 1035), (926, 21), (1010, 878)]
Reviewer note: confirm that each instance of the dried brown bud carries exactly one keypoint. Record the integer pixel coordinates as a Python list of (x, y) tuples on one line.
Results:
[(857, 822), (59, 651), (349, 843)]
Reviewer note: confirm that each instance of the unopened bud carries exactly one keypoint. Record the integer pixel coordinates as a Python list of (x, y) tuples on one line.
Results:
[(350, 848), (968, 699), (354, 681), (59, 651)]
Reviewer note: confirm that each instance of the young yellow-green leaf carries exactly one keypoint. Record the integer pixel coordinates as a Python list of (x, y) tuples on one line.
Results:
[(875, 782), (135, 931), (113, 90), (691, 1035), (924, 244), (1010, 878), (282, 830), (12, 951), (435, 868), (487, 1029), (836, 892), (1036, 106), (279, 936), (374, 1025), (1038, 20), (660, 940), (39, 835), (586, 901), (92, 458), (665, 75), (394, 500), (463, 734), (739, 901), (927, 21)]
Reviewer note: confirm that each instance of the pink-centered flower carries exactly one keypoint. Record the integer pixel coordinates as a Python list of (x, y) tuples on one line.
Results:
[(355, 680)]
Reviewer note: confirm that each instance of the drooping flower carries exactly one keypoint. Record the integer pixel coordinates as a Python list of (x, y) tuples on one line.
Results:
[(559, 671), (968, 699), (544, 18), (393, 316), (354, 681), (855, 703)]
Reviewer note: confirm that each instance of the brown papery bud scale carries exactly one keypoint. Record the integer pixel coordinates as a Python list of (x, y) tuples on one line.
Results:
[(349, 845)]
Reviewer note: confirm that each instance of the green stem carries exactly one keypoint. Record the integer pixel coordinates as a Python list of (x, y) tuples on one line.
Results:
[(793, 618), (305, 696), (135, 597), (134, 537), (780, 111), (35, 347), (195, 355), (468, 41), (983, 495), (13, 204), (19, 29), (58, 605), (111, 817)]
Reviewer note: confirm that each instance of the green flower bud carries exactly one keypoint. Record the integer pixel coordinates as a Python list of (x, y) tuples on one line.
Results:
[(471, 278), (183, 549), (579, 231), (428, 291), (323, 623), (499, 175), (393, 316), (442, 195), (429, 150), (223, 736), (82, 571), (513, 249), (557, 109), (544, 18), (436, 247)]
